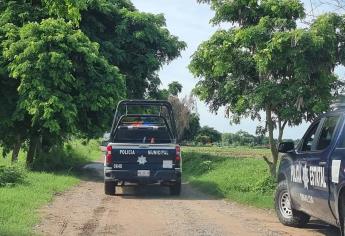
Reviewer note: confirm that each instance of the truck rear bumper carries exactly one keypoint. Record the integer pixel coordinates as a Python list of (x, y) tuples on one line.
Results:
[(157, 176)]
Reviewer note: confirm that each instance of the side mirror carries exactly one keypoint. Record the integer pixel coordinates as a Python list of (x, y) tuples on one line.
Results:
[(285, 147)]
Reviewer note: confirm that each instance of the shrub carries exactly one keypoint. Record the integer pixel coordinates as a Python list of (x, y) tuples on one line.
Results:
[(267, 185), (70, 156), (10, 175), (205, 166)]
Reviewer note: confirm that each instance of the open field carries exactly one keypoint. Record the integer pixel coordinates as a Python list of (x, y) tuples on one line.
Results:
[(230, 151), (234, 173), (19, 202)]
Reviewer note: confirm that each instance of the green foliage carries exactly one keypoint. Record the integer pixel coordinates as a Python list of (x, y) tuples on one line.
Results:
[(266, 185), (239, 151), (67, 9), (250, 12), (11, 175), (191, 132), (203, 139), (56, 65), (264, 64), (174, 88), (242, 138), (138, 43), (209, 135), (19, 205), (65, 64), (242, 179), (304, 57), (71, 156), (260, 66)]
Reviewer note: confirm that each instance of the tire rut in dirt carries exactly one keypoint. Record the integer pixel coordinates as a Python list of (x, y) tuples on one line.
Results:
[(91, 225)]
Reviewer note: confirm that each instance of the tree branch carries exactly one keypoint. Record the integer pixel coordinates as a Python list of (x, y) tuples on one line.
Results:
[(284, 124), (269, 163)]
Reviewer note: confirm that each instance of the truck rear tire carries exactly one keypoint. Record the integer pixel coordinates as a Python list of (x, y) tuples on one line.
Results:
[(286, 214), (109, 188), (175, 190)]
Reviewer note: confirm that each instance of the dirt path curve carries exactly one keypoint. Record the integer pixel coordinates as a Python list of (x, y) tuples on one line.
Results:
[(85, 210)]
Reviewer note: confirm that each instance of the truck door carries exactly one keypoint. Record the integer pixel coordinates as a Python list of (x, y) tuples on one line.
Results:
[(299, 178), (337, 167), (315, 169)]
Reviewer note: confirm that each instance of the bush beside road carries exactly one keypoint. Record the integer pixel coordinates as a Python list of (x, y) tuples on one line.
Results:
[(234, 173)]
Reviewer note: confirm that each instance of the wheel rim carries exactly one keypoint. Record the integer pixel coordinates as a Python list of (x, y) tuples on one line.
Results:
[(285, 204)]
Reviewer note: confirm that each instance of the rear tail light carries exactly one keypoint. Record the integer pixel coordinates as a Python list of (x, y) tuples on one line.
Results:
[(108, 157), (178, 155)]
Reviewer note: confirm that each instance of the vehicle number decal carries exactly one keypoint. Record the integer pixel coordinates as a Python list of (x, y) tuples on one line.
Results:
[(117, 166), (335, 170)]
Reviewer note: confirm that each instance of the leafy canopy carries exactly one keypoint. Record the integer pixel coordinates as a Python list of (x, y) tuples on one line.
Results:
[(264, 64), (65, 64), (174, 88), (57, 66), (138, 43)]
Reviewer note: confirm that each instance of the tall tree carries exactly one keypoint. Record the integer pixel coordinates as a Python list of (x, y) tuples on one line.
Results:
[(64, 65), (183, 109), (191, 132), (263, 65), (209, 134), (137, 43), (63, 81)]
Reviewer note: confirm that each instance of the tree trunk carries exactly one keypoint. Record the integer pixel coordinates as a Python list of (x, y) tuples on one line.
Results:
[(32, 150), (272, 164), (281, 127), (16, 149)]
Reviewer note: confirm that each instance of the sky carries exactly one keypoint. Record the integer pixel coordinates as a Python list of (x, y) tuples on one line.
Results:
[(190, 22)]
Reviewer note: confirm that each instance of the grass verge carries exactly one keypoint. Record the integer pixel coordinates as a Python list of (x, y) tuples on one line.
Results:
[(242, 179), (19, 202)]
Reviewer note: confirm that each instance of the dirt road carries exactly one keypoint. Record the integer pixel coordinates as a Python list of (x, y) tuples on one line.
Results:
[(85, 210)]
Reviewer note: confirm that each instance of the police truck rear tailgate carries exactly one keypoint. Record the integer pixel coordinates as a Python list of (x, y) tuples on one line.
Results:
[(144, 156)]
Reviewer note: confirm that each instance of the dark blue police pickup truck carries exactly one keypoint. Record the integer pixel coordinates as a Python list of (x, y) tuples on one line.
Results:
[(142, 147), (311, 176)]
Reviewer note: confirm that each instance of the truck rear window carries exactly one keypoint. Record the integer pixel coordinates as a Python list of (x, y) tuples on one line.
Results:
[(142, 130)]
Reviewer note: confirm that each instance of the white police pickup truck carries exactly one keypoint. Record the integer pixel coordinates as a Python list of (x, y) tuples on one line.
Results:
[(311, 176), (142, 147)]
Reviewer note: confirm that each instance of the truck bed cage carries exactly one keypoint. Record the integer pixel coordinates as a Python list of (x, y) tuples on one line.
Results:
[(125, 104)]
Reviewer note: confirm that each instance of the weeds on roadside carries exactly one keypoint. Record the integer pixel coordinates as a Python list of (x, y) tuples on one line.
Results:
[(243, 179), (11, 175), (71, 156)]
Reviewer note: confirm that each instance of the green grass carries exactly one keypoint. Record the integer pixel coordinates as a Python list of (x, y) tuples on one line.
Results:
[(19, 204), (230, 173), (75, 154), (231, 151)]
